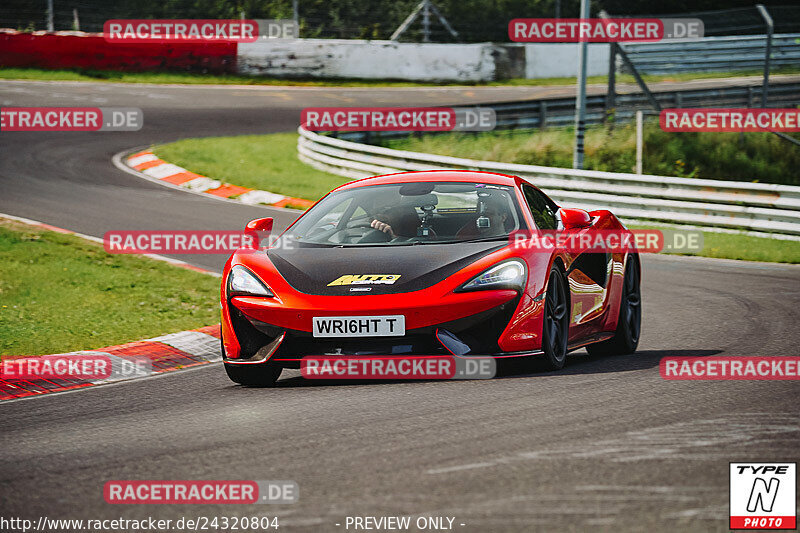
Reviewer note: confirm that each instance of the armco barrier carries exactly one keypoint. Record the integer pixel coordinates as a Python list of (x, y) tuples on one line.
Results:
[(535, 114), (713, 54), (755, 207), (67, 50)]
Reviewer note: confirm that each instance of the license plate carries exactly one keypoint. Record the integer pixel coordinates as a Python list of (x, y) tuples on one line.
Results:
[(360, 326)]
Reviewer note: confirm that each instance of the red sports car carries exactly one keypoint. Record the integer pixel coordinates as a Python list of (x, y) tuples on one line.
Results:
[(422, 263)]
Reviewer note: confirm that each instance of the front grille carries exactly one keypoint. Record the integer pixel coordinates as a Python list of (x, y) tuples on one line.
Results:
[(250, 333), (299, 344)]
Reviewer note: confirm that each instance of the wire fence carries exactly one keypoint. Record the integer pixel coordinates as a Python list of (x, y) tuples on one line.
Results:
[(742, 21), (476, 21)]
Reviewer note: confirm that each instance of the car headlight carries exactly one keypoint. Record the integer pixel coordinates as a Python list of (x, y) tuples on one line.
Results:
[(506, 275), (242, 282)]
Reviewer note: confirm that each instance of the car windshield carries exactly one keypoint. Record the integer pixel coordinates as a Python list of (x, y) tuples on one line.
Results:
[(411, 213)]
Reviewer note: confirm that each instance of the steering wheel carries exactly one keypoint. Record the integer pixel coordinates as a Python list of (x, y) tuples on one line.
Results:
[(352, 234)]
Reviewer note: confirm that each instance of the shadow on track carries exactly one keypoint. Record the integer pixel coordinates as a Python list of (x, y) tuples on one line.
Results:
[(578, 363), (582, 363)]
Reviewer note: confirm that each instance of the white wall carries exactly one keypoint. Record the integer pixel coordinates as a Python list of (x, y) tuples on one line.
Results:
[(329, 58), (340, 58), (551, 60)]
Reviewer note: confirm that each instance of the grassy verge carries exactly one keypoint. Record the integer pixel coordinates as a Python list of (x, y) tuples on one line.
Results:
[(266, 162), (189, 78), (741, 246), (60, 293), (730, 156)]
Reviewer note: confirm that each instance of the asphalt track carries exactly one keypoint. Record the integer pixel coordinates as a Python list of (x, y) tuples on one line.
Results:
[(604, 445)]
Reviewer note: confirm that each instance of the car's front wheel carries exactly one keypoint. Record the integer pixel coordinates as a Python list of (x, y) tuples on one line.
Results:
[(629, 325), (253, 375), (555, 326)]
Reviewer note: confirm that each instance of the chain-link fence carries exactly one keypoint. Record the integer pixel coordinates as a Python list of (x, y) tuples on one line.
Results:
[(474, 20), (740, 21)]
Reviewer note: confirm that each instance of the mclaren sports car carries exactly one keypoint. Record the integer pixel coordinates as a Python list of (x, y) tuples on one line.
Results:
[(424, 263)]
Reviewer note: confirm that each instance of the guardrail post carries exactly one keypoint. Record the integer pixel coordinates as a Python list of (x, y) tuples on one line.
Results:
[(542, 114)]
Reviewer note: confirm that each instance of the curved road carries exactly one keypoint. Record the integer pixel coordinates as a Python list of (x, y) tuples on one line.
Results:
[(604, 445)]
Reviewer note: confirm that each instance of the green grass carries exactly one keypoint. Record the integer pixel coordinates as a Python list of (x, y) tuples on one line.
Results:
[(191, 78), (61, 293), (749, 248), (729, 156), (741, 246), (266, 162), (648, 78)]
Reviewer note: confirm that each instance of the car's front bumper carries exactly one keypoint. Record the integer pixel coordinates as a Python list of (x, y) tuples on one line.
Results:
[(257, 330)]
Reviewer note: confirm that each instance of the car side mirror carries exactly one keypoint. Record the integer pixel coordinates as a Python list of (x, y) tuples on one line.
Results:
[(259, 229), (574, 218), (260, 224)]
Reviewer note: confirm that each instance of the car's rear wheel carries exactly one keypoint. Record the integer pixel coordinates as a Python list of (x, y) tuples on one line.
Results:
[(555, 326), (629, 325), (253, 375)]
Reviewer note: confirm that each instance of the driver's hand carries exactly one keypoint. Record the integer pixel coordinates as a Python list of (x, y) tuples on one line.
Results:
[(384, 227)]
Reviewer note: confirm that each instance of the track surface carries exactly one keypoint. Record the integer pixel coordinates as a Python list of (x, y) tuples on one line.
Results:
[(604, 444)]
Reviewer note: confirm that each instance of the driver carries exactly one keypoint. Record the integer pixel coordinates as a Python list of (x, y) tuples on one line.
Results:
[(397, 221)]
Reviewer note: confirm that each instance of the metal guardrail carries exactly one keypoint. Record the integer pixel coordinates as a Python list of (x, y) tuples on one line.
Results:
[(561, 111), (536, 114), (756, 207), (713, 54)]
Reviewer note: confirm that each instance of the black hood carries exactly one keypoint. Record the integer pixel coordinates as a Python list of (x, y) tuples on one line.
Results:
[(311, 270)]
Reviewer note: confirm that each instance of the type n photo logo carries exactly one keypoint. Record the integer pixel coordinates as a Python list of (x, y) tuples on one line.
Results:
[(762, 495)]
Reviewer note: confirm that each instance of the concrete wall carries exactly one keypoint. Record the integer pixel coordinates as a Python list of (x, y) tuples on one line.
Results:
[(329, 58), (546, 60)]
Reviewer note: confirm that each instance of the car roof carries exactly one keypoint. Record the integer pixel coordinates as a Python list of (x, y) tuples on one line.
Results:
[(434, 175)]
